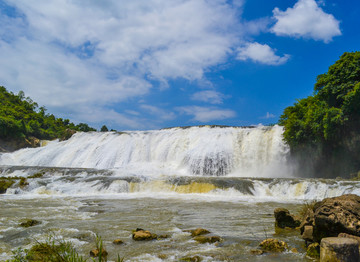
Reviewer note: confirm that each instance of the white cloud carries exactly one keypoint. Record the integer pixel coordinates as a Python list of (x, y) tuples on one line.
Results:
[(260, 53), (72, 56), (268, 116), (159, 113), (306, 19), (209, 96), (205, 114)]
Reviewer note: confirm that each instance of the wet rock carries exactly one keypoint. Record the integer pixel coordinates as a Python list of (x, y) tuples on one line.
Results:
[(191, 259), (283, 218), (339, 249), (307, 234), (96, 252), (163, 236), (207, 239), (118, 242), (313, 250), (143, 235), (5, 184), (30, 223), (257, 251), (198, 232), (273, 245), (294, 250), (337, 215)]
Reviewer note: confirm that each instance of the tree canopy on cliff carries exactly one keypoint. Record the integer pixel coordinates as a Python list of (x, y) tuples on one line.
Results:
[(21, 117), (325, 127)]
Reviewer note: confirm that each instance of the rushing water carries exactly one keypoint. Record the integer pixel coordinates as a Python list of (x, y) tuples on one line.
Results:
[(227, 180)]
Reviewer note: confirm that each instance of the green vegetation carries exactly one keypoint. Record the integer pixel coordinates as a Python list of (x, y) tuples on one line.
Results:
[(55, 249), (323, 130), (20, 117)]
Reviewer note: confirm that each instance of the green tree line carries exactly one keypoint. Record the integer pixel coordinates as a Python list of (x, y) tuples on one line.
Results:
[(323, 130), (21, 117)]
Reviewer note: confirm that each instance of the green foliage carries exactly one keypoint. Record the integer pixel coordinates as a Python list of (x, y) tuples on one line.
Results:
[(55, 249), (324, 129), (20, 117), (104, 128)]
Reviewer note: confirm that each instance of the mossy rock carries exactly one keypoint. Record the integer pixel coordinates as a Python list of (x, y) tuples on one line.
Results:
[(29, 223), (198, 232), (5, 184), (191, 259), (313, 250), (207, 239), (273, 245), (37, 175)]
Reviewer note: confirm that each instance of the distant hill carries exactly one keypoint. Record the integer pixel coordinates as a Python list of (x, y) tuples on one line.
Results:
[(23, 122)]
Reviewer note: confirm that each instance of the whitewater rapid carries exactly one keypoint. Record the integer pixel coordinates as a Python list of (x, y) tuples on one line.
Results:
[(203, 151)]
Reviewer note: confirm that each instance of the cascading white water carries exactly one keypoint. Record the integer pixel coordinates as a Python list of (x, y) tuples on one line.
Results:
[(204, 151)]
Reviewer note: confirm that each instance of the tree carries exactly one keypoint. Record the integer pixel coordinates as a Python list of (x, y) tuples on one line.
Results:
[(323, 130), (104, 128)]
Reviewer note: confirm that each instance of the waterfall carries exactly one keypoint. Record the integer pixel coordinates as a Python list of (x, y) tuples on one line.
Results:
[(203, 151)]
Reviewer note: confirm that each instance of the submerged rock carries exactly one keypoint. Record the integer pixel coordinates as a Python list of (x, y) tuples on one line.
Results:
[(339, 249), (30, 223), (118, 242), (283, 218), (142, 235), (313, 250), (5, 184), (96, 252), (273, 245), (198, 232), (191, 259), (207, 239)]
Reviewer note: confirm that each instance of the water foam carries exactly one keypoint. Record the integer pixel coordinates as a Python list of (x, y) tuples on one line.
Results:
[(203, 151)]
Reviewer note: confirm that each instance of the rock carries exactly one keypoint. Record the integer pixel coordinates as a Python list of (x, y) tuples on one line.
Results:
[(350, 236), (339, 249), (294, 250), (118, 242), (163, 236), (207, 239), (96, 252), (5, 184), (191, 259), (337, 215), (313, 250), (198, 232), (273, 245), (257, 251), (308, 220), (284, 219), (307, 235), (30, 223), (141, 235)]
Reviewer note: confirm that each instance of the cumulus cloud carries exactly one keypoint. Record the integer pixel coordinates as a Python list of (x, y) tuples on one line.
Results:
[(159, 113), (263, 54), (306, 19), (68, 55), (205, 114), (209, 96)]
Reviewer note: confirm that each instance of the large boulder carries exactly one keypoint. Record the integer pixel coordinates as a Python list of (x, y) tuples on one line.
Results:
[(336, 215), (283, 218), (339, 249)]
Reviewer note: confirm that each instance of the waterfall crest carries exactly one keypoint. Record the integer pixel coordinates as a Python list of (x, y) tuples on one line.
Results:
[(195, 151)]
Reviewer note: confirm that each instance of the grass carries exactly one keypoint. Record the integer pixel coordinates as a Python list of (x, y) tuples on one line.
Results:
[(305, 207), (55, 249)]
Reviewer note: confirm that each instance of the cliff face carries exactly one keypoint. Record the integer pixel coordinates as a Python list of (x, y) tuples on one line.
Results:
[(10, 145)]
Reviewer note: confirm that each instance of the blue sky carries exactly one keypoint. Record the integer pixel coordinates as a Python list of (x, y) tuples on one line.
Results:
[(148, 64)]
